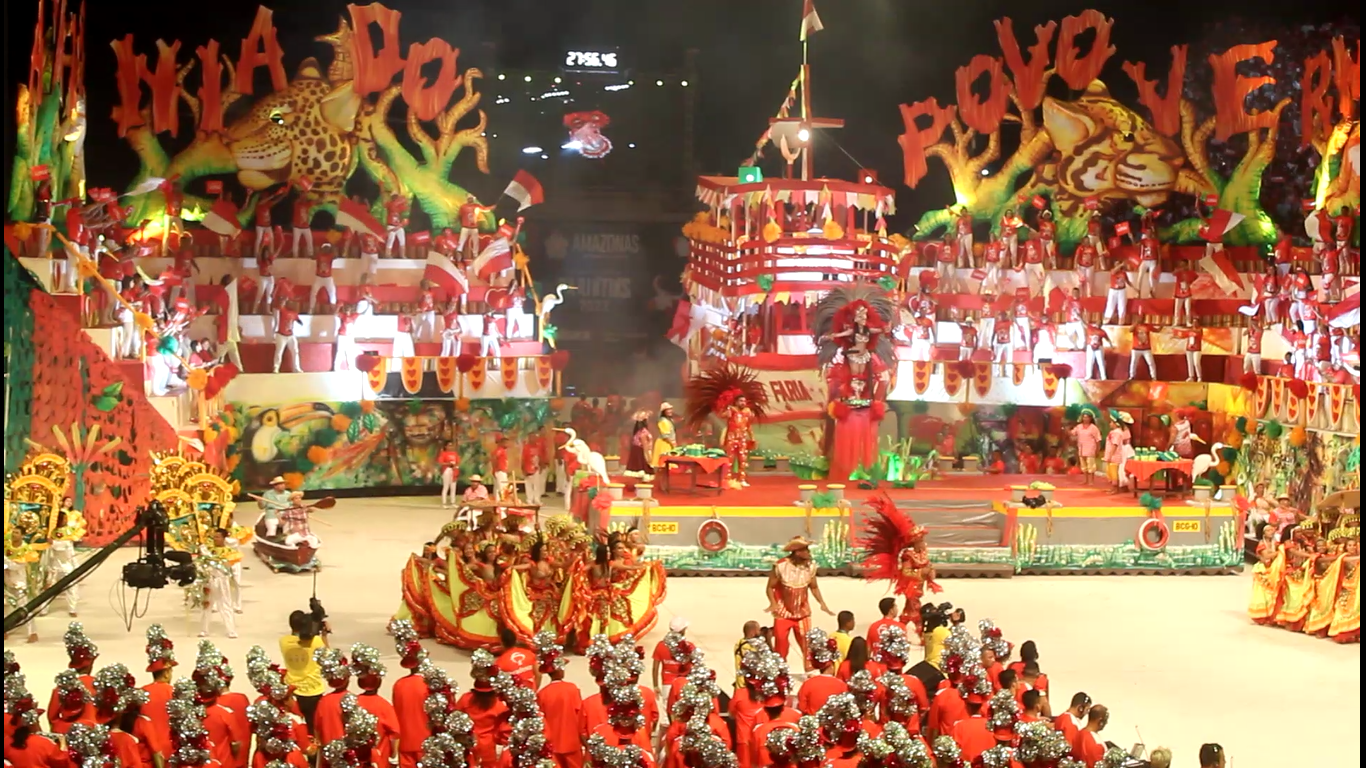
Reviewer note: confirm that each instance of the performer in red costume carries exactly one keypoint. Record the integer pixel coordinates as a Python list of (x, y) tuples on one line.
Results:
[(450, 329), (739, 436), (470, 213), (791, 585), (991, 266), (265, 270), (1035, 274), (968, 337), (561, 703), (410, 694), (962, 226), (1267, 294), (1001, 332), (301, 221), (1141, 348), (1010, 227), (1181, 293), (1332, 268), (322, 277), (1343, 224), (1096, 342), (286, 318), (369, 257), (184, 269), (1148, 251), (396, 218), (1117, 299), (346, 342), (1095, 235), (853, 327), (895, 550), (1195, 345), (1283, 255), (425, 328), (1084, 261), (265, 236), (945, 258), (1252, 352)]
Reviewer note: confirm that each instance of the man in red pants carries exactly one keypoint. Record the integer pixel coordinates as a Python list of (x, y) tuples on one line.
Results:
[(791, 584)]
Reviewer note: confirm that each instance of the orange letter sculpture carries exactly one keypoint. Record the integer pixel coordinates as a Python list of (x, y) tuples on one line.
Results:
[(1166, 109), (1079, 72), (374, 72), (261, 48), (914, 141), (1029, 78), (1347, 73), (428, 101), (1231, 90), (210, 88), (982, 116), (128, 112), (1316, 106)]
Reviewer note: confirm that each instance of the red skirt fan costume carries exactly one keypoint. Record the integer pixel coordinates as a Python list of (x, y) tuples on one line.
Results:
[(895, 549), (853, 330), (736, 395)]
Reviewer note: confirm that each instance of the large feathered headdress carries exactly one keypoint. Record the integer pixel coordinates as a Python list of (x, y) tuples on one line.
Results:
[(887, 531), (714, 390), (836, 311)]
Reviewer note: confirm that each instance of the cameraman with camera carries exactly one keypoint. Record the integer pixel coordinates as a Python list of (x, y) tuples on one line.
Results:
[(308, 632)]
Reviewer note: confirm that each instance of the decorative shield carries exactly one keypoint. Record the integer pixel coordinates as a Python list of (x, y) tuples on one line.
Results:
[(920, 380), (446, 374), (509, 373), (1294, 407), (545, 374), (1277, 397), (1315, 399), (476, 375), (376, 377), (981, 380), (953, 379), (411, 369), (1263, 396), (1337, 399), (1017, 373), (1050, 381)]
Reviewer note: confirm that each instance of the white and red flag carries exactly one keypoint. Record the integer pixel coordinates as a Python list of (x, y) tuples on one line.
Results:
[(356, 217), (446, 274), (496, 257), (222, 218), (811, 21), (526, 190)]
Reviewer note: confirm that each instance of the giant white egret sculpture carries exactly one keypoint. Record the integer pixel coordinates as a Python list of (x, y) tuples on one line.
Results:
[(589, 459), (1202, 463), (552, 300)]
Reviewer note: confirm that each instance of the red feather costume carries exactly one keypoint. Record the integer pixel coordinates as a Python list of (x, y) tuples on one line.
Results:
[(894, 549), (736, 395)]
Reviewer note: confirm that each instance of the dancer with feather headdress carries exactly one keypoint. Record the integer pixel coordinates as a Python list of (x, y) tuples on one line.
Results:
[(853, 331), (736, 395), (894, 549)]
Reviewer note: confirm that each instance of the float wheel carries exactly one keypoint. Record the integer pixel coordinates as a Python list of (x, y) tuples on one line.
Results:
[(713, 536), (1153, 535)]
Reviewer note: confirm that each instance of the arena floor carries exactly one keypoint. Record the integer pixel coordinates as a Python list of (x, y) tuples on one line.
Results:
[(1173, 657)]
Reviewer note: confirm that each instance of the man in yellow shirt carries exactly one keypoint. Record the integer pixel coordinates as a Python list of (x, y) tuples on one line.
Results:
[(843, 635)]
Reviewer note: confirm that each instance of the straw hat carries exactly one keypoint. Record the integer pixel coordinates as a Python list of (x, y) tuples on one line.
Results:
[(796, 544), (277, 480)]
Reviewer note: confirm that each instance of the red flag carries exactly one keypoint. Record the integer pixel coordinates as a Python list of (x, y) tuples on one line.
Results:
[(1122, 228), (355, 216), (811, 21), (1092, 203), (222, 219), (526, 190), (1219, 224), (678, 332), (1225, 274), (446, 275), (496, 257)]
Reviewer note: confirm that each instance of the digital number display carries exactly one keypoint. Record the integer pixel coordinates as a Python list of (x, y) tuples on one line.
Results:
[(596, 61)]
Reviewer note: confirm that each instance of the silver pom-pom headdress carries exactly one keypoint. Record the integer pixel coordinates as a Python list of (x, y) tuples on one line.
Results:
[(189, 738), (72, 695), (20, 708), (999, 756), (604, 755), (116, 690), (962, 661), (549, 653), (266, 676), (701, 748), (483, 668), (825, 651), (528, 744), (800, 748), (210, 672), (864, 689), (1114, 758), (907, 750), (441, 695), (88, 746), (273, 729), (11, 662), (898, 699), (625, 706), (160, 649), (441, 750), (1004, 712), (407, 643), (599, 652), (354, 749), (1040, 743), (947, 752), (841, 720), (369, 670), (994, 640), (520, 700), (79, 649), (334, 666), (626, 660), (766, 674), (894, 648)]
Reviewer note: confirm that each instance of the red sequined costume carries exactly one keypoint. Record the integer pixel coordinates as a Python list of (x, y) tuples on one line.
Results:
[(736, 395), (896, 550)]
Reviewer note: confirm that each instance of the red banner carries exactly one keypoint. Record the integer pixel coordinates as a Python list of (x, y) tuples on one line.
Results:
[(920, 376), (545, 375), (446, 374), (410, 370), (1277, 402), (1337, 398), (378, 375), (1315, 399), (509, 369), (1017, 373), (477, 375), (1050, 381), (953, 379), (1263, 397), (981, 380)]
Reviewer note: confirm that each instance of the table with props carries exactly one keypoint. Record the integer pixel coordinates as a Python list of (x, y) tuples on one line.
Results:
[(1145, 467), (697, 468)]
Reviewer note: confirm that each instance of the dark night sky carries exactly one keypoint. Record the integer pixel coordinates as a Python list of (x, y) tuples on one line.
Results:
[(873, 54)]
